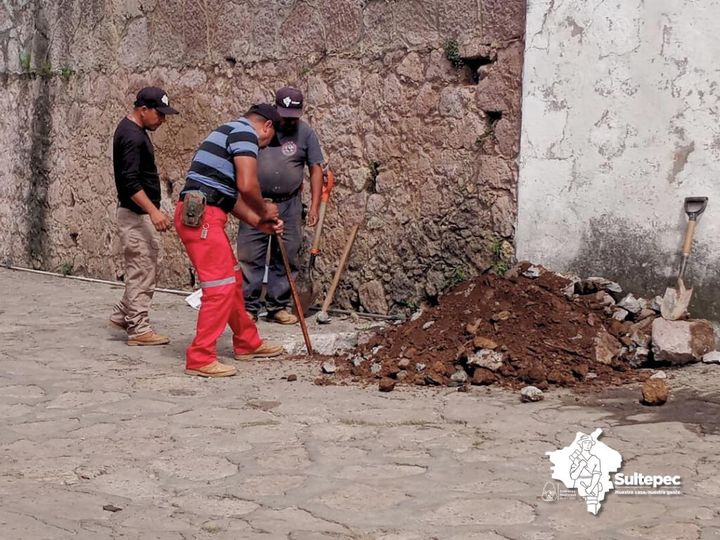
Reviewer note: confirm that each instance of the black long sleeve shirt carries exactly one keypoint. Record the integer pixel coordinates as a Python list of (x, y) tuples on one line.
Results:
[(134, 164)]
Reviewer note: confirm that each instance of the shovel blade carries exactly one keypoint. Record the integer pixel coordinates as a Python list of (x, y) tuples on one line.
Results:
[(308, 293), (675, 303)]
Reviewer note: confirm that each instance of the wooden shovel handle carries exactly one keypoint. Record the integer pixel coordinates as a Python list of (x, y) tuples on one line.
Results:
[(340, 268), (687, 244), (295, 295)]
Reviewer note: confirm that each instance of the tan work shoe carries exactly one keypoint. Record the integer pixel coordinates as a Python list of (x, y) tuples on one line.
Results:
[(215, 369), (282, 317), (148, 338), (266, 350)]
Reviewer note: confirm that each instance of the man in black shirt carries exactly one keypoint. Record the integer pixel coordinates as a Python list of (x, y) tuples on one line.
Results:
[(139, 216)]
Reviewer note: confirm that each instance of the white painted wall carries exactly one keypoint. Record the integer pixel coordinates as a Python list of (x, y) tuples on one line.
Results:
[(620, 123)]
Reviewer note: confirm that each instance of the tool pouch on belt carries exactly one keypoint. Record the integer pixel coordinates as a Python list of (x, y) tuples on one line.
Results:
[(194, 203)]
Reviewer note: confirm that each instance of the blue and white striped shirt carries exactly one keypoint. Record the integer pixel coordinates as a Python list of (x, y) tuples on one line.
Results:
[(212, 165)]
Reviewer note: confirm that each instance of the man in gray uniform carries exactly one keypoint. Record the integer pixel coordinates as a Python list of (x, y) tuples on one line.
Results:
[(281, 169)]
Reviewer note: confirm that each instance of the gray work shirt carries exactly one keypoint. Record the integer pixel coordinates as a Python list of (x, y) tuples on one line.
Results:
[(281, 165)]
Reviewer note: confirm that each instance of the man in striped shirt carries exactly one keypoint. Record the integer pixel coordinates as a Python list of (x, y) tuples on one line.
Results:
[(224, 169)]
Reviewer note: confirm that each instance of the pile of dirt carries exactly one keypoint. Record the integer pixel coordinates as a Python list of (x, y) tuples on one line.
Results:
[(531, 327)]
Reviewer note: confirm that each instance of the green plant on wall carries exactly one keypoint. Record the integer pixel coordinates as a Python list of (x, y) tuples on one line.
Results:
[(457, 275), (67, 269), (500, 264), (452, 53), (25, 58), (45, 70), (66, 72)]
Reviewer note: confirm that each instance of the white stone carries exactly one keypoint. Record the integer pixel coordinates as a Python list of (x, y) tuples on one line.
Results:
[(486, 358), (681, 342), (531, 393), (712, 358), (631, 304)]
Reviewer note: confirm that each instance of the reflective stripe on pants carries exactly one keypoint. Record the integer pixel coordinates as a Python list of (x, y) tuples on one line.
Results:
[(222, 299)]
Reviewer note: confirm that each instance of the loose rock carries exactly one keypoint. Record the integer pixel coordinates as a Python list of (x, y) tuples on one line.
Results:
[(386, 385), (484, 343), (593, 284), (654, 392), (631, 304), (682, 342), (620, 314), (459, 376), (329, 367), (712, 358), (486, 358), (483, 377), (292, 378), (502, 316), (607, 348), (659, 375), (531, 393)]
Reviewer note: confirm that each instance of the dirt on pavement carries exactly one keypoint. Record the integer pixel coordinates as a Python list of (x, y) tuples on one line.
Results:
[(513, 331)]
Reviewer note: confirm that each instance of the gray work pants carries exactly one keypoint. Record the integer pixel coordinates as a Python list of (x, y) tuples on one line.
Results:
[(251, 249)]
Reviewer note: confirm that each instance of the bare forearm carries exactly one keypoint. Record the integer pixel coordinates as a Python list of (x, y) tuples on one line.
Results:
[(142, 200), (244, 213), (316, 186)]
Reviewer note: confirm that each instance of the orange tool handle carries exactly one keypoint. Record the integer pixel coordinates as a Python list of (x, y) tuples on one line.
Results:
[(328, 184)]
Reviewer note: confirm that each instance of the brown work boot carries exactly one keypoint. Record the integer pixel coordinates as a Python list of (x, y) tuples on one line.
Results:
[(148, 338), (215, 369), (282, 317), (266, 350)]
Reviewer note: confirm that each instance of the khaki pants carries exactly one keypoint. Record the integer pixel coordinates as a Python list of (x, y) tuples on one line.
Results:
[(141, 245)]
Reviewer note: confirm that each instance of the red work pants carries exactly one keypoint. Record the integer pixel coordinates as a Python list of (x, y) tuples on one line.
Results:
[(221, 282)]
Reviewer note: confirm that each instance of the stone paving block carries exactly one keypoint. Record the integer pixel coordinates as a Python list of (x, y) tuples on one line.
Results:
[(19, 525), (292, 519), (482, 512)]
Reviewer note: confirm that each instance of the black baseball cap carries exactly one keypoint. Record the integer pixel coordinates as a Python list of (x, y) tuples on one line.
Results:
[(266, 110), (289, 102), (153, 97)]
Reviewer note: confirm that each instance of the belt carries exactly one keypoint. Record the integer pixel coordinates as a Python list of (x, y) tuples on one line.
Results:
[(212, 196), (276, 198)]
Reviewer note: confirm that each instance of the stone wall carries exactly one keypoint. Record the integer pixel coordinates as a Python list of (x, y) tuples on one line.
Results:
[(620, 124), (417, 105)]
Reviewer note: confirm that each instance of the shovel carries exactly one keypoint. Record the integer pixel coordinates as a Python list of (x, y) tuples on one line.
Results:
[(307, 288), (323, 317), (675, 302), (295, 295)]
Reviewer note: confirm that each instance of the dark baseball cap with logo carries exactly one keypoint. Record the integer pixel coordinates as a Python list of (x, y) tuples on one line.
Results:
[(289, 102), (266, 110), (153, 97)]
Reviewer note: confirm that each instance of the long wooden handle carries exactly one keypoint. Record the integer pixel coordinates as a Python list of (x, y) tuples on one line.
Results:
[(295, 295), (687, 244), (315, 249), (340, 268)]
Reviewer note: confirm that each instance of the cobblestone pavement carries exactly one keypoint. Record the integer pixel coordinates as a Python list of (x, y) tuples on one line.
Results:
[(100, 440)]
